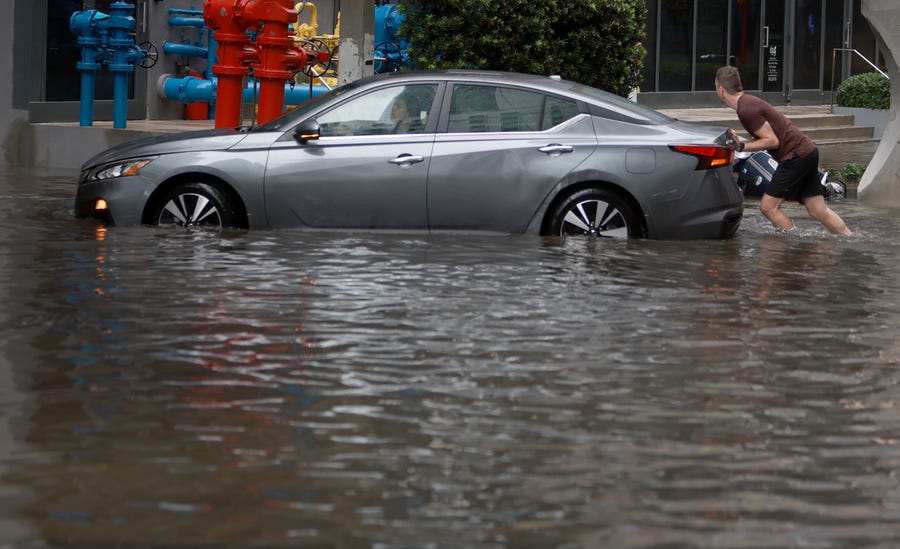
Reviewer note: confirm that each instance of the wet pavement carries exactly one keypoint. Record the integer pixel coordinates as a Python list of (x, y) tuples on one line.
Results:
[(163, 387)]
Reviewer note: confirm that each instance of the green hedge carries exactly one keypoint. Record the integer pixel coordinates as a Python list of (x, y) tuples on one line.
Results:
[(596, 42), (868, 90)]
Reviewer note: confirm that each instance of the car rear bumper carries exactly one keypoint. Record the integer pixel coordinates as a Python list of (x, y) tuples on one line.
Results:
[(710, 206)]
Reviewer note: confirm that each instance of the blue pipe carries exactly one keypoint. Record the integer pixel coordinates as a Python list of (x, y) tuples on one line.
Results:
[(195, 19), (190, 89), (185, 50), (86, 106), (186, 22), (176, 11), (84, 24), (293, 95), (125, 54)]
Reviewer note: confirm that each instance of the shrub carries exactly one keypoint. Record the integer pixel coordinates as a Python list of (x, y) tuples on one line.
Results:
[(596, 42), (868, 90), (849, 173)]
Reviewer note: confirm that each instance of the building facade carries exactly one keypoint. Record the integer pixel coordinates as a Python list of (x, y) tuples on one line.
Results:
[(785, 50)]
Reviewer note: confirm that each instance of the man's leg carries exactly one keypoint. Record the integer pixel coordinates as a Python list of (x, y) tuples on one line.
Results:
[(771, 208), (819, 211)]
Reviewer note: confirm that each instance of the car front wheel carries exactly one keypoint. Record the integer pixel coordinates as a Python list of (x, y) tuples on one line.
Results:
[(196, 205), (595, 212)]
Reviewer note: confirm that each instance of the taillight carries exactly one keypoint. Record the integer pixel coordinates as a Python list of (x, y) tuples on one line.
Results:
[(708, 156)]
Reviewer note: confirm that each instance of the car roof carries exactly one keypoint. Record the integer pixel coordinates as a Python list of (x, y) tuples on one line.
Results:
[(614, 105), (475, 75)]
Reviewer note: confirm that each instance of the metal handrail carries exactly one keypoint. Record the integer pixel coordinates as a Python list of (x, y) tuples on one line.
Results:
[(861, 56)]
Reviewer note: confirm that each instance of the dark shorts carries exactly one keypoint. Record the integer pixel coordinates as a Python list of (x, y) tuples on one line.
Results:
[(797, 178)]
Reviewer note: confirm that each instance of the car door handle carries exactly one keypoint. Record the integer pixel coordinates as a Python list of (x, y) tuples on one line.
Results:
[(407, 159), (555, 149)]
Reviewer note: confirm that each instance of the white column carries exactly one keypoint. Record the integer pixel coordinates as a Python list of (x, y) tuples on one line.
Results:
[(881, 182)]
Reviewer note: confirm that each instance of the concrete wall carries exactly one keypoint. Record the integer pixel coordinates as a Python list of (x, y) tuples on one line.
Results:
[(357, 40), (881, 183), (12, 120)]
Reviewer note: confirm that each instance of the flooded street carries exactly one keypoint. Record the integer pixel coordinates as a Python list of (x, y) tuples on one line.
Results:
[(287, 389)]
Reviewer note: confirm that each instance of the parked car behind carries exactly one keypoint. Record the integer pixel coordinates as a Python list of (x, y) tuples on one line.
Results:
[(476, 151)]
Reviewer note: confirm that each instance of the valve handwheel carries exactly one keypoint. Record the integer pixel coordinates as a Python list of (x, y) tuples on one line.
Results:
[(317, 69), (389, 60), (150, 55)]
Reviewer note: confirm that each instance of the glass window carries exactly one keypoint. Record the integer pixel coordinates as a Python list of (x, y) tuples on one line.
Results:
[(63, 53), (863, 41), (676, 24), (394, 110), (745, 46), (808, 44), (712, 42), (834, 38), (479, 108), (557, 111)]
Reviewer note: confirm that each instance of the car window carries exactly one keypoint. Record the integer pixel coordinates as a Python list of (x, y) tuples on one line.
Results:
[(393, 110), (620, 108), (557, 110), (484, 108)]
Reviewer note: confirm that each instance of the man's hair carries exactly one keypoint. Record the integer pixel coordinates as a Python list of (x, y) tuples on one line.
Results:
[(729, 78)]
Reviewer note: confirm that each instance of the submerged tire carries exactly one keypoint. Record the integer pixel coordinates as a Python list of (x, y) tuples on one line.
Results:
[(595, 213), (196, 205)]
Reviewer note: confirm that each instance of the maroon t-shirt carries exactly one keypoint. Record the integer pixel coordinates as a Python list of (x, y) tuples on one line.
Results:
[(753, 112)]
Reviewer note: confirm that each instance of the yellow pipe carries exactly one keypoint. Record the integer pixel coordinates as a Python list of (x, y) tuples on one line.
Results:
[(307, 31)]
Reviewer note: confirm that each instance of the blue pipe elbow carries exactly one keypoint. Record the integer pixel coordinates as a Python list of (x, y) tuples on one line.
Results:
[(189, 89)]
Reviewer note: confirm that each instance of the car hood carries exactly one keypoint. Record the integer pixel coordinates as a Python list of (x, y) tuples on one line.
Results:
[(201, 140)]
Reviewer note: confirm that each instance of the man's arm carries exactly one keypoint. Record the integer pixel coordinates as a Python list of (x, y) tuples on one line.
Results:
[(766, 140)]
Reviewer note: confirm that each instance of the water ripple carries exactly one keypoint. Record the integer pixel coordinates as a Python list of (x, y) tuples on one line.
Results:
[(284, 388)]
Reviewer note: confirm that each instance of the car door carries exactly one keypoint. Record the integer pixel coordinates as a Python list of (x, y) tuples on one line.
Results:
[(503, 151), (366, 170)]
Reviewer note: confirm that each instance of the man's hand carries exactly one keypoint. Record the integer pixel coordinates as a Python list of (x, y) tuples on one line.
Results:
[(733, 139)]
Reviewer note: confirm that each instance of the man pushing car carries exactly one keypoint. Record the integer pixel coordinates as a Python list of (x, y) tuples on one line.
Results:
[(797, 176)]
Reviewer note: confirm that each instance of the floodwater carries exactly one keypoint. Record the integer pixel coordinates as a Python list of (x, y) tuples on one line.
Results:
[(290, 389)]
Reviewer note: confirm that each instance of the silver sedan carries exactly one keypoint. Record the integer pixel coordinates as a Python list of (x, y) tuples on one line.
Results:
[(452, 151)]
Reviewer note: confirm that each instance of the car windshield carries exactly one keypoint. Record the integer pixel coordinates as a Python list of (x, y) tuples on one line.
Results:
[(634, 110), (290, 117)]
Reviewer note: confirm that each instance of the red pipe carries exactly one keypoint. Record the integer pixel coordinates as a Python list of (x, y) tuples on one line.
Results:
[(274, 56), (234, 53), (278, 57)]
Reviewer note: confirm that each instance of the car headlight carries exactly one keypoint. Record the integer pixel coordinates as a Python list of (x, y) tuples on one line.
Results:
[(124, 168)]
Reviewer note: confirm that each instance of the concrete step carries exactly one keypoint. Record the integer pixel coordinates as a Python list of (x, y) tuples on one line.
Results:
[(822, 120), (832, 133), (840, 142), (801, 121), (834, 155), (816, 122)]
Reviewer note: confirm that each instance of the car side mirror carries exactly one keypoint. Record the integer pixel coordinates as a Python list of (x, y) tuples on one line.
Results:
[(308, 130)]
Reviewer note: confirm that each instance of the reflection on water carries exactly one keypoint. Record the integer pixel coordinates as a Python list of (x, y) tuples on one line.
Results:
[(344, 389)]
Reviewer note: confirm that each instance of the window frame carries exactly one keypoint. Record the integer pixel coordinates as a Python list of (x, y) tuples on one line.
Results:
[(444, 118), (430, 121)]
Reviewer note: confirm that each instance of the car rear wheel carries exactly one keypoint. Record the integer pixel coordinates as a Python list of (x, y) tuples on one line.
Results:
[(597, 213), (196, 205)]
